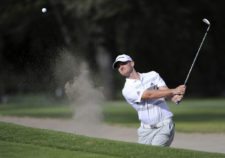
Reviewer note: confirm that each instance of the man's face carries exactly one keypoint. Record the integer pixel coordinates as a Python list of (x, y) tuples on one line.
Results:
[(125, 68)]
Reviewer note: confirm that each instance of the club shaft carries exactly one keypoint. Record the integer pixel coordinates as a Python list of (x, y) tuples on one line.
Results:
[(193, 63)]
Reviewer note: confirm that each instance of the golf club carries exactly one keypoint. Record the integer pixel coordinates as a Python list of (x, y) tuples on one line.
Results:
[(193, 63)]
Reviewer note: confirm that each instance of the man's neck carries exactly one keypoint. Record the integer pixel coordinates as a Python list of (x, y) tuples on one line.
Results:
[(134, 75)]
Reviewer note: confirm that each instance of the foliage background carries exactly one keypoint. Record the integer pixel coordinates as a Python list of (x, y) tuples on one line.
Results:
[(160, 35)]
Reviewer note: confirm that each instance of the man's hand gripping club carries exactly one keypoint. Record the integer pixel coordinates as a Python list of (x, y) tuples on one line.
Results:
[(178, 94)]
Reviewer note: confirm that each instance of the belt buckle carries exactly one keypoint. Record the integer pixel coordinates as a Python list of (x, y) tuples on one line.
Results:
[(150, 126), (153, 126)]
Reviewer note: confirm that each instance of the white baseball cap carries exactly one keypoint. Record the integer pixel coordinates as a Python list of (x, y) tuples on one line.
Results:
[(121, 58)]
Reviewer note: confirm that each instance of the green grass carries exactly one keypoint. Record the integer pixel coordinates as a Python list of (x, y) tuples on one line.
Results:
[(36, 106), (191, 115), (19, 142), (21, 150), (39, 112), (203, 115)]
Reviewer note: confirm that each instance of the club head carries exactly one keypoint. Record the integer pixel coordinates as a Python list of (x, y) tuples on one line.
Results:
[(206, 21)]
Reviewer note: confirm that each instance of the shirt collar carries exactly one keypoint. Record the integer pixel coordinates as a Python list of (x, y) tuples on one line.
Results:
[(135, 80)]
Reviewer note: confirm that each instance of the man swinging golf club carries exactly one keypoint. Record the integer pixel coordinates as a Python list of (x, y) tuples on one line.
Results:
[(146, 93)]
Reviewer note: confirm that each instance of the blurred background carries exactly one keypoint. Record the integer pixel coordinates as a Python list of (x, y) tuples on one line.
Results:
[(41, 51)]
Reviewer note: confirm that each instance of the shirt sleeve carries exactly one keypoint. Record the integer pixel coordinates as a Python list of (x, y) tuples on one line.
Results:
[(158, 80), (133, 95)]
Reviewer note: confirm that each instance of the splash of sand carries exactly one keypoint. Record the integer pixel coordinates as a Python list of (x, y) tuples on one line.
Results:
[(86, 98)]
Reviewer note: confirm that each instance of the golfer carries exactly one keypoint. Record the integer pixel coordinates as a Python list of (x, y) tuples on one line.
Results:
[(146, 93)]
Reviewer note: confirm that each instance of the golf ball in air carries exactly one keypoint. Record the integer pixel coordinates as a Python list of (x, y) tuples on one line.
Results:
[(44, 10)]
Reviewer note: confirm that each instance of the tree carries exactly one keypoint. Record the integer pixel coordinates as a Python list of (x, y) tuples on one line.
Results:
[(159, 35)]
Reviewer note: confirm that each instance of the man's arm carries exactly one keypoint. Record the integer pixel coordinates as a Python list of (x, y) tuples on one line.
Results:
[(175, 98), (163, 92)]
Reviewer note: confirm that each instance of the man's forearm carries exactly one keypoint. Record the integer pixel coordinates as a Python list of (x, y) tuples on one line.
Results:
[(155, 94), (163, 92)]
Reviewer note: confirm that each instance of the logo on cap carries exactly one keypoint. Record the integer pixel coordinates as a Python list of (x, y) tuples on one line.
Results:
[(121, 58)]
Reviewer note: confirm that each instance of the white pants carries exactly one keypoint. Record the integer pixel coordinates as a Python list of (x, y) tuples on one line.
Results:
[(159, 136)]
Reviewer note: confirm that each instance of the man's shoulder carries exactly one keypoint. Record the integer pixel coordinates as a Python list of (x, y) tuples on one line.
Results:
[(129, 85), (149, 74)]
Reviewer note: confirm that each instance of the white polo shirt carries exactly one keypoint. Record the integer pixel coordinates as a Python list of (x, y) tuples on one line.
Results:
[(149, 111)]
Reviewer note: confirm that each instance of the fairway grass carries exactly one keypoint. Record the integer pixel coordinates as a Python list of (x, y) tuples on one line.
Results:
[(21, 142), (39, 106), (191, 115)]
